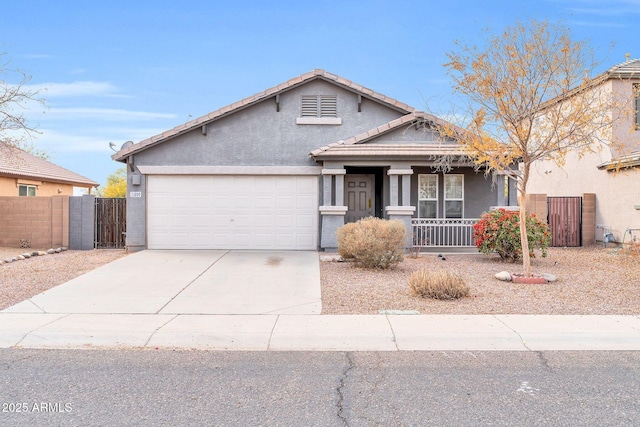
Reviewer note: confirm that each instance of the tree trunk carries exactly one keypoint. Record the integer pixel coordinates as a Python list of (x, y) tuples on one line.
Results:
[(526, 259), (524, 239)]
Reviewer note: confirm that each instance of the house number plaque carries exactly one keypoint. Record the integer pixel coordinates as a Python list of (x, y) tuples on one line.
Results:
[(135, 194)]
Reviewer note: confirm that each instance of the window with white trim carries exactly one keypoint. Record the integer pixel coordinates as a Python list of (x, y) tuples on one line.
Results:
[(427, 196), (454, 196), (26, 190)]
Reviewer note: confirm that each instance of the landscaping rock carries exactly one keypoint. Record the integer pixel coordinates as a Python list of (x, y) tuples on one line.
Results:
[(26, 255), (51, 251), (550, 277), (35, 253), (58, 250), (505, 276), (40, 253), (20, 258), (8, 260)]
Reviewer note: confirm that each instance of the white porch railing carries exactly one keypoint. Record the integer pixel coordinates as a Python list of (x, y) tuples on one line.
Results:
[(454, 233)]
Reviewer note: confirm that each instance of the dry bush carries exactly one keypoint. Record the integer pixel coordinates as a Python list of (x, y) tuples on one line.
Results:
[(372, 242), (438, 284)]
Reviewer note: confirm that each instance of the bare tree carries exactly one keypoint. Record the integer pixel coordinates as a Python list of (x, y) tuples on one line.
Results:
[(529, 98), (15, 130)]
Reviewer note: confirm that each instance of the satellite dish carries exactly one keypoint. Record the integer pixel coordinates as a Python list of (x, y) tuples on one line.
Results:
[(126, 144)]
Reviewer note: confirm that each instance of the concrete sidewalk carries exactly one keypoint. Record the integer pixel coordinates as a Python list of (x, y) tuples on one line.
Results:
[(320, 332)]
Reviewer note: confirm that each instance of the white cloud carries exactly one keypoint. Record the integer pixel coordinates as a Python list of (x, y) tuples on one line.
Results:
[(36, 56), (89, 139), (106, 114), (75, 89)]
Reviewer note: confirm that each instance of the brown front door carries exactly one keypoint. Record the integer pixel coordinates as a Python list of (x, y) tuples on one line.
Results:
[(358, 192)]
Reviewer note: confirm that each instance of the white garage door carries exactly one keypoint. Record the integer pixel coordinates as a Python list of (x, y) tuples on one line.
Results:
[(232, 212)]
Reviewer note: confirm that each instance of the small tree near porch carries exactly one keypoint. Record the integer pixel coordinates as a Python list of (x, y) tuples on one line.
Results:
[(529, 97)]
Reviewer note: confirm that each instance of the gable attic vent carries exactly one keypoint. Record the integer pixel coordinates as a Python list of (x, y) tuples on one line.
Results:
[(319, 106)]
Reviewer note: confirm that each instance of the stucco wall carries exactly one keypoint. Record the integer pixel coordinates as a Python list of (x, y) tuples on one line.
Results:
[(44, 221), (256, 136), (260, 135), (617, 193), (9, 187)]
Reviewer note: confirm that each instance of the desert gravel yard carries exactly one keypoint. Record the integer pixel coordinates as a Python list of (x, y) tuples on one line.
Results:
[(592, 280), (21, 280)]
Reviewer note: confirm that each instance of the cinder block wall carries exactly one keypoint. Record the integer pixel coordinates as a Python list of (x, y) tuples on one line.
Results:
[(81, 222), (588, 219), (44, 221)]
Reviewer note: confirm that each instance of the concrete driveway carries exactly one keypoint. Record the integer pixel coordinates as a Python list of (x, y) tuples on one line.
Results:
[(190, 282)]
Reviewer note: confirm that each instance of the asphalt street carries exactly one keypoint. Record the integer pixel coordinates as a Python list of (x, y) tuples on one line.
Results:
[(179, 388)]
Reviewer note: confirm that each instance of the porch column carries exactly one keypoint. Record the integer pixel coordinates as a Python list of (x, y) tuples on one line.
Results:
[(332, 210), (400, 201)]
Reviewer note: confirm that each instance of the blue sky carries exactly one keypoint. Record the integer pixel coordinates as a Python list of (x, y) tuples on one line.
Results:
[(127, 70)]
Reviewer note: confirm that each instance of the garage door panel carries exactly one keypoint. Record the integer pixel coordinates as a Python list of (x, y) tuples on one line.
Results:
[(232, 212)]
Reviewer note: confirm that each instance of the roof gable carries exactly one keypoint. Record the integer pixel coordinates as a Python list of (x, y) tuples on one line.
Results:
[(18, 163), (259, 97), (364, 145)]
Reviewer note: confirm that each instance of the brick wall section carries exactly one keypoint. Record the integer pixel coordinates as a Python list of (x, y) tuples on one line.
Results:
[(42, 220), (588, 219)]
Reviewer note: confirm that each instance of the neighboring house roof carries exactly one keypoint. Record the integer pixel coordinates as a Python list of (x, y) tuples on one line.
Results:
[(360, 146), (629, 69), (258, 97), (625, 162), (20, 164)]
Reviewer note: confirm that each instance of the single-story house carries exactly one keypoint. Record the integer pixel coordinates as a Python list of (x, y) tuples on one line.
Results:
[(285, 168), (612, 171), (23, 174)]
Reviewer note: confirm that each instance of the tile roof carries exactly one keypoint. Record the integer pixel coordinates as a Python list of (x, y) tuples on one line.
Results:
[(397, 151), (19, 163), (631, 160), (236, 106), (355, 146), (629, 69)]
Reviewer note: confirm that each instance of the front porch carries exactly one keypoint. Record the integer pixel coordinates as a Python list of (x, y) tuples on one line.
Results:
[(406, 170)]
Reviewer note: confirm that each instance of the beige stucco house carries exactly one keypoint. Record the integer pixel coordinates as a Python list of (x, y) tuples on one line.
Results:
[(612, 174), (23, 174)]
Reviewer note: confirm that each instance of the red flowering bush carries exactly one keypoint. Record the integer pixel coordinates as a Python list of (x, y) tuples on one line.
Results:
[(499, 231)]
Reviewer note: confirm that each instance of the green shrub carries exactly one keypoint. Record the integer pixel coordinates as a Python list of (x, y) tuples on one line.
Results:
[(499, 231), (438, 284), (372, 242)]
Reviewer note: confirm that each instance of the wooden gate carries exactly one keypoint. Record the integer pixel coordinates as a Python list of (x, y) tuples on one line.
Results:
[(110, 223), (565, 220)]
